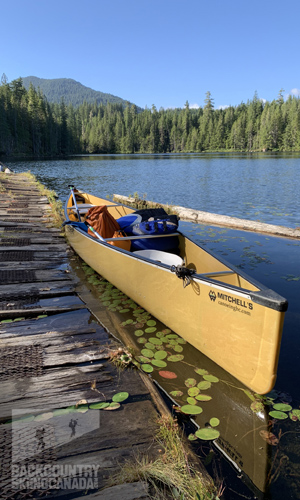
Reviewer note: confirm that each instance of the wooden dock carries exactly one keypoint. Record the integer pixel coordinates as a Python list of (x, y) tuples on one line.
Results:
[(55, 363)]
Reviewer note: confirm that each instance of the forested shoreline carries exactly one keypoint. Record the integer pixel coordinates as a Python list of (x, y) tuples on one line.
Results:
[(29, 125)]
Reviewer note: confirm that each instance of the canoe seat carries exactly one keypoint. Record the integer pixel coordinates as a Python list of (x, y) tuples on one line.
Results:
[(82, 207), (164, 257)]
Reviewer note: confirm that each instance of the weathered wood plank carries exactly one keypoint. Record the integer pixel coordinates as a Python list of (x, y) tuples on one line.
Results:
[(128, 491), (22, 336), (32, 238), (26, 225), (16, 276), (32, 312), (45, 289), (50, 289), (38, 249), (62, 387), (69, 321), (36, 264)]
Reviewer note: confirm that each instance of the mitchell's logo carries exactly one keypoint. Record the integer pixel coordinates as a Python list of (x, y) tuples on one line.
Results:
[(228, 298)]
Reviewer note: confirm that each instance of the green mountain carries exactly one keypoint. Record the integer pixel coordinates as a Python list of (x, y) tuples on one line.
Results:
[(71, 91)]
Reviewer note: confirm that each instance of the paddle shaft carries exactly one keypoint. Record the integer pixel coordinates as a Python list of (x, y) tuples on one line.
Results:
[(93, 231), (75, 202)]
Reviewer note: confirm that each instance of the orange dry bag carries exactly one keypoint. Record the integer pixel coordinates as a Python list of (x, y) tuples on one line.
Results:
[(105, 225)]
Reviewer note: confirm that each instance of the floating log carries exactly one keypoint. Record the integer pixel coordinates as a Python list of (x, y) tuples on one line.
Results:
[(200, 217)]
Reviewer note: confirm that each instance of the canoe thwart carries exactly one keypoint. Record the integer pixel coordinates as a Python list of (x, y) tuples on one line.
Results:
[(142, 236), (217, 274)]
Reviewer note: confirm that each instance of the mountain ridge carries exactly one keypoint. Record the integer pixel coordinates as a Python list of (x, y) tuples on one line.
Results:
[(71, 91)]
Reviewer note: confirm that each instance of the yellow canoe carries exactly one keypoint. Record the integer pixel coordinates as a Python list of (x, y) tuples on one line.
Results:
[(222, 312)]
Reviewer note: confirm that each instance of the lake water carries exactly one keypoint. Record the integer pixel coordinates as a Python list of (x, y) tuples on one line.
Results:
[(256, 187)]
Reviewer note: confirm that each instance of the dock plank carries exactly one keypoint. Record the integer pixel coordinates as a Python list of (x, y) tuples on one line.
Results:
[(61, 361)]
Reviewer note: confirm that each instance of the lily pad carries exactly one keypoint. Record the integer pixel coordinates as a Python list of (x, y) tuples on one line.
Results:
[(280, 415), (61, 411), (191, 401), (191, 409), (294, 415), (148, 353), (193, 391), (203, 385), (164, 340), (143, 359), (151, 322), (112, 406), (120, 396), (167, 374), (203, 397), (192, 437), (43, 416), (178, 348), (151, 329), (190, 382), (160, 354), (159, 363), (155, 341), (282, 407), (82, 408), (176, 393), (176, 357), (123, 311), (150, 346), (257, 406), (141, 340), (99, 406), (210, 378), (214, 422), (207, 434), (201, 371), (147, 368), (138, 333)]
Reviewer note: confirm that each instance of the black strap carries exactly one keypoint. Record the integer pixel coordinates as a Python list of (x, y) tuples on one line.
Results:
[(184, 274)]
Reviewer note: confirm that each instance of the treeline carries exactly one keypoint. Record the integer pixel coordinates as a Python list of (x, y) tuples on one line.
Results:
[(29, 125)]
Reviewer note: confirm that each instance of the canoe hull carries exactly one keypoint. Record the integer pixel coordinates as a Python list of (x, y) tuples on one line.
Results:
[(224, 322)]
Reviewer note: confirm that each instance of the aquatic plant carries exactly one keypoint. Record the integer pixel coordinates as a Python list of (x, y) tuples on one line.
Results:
[(173, 475)]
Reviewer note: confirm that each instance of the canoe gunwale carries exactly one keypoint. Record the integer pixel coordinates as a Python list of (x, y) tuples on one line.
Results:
[(265, 296)]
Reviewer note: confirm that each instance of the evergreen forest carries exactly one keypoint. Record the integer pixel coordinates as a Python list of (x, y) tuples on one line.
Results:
[(30, 125)]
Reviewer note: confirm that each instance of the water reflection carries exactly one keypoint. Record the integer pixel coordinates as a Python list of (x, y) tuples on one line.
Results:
[(256, 445)]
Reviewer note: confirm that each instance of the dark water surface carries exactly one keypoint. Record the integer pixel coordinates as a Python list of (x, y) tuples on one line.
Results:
[(255, 187)]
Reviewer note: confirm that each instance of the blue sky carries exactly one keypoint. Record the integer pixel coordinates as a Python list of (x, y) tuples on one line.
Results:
[(161, 52)]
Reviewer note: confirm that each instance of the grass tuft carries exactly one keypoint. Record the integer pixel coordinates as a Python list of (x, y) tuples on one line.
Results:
[(56, 213), (171, 476)]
